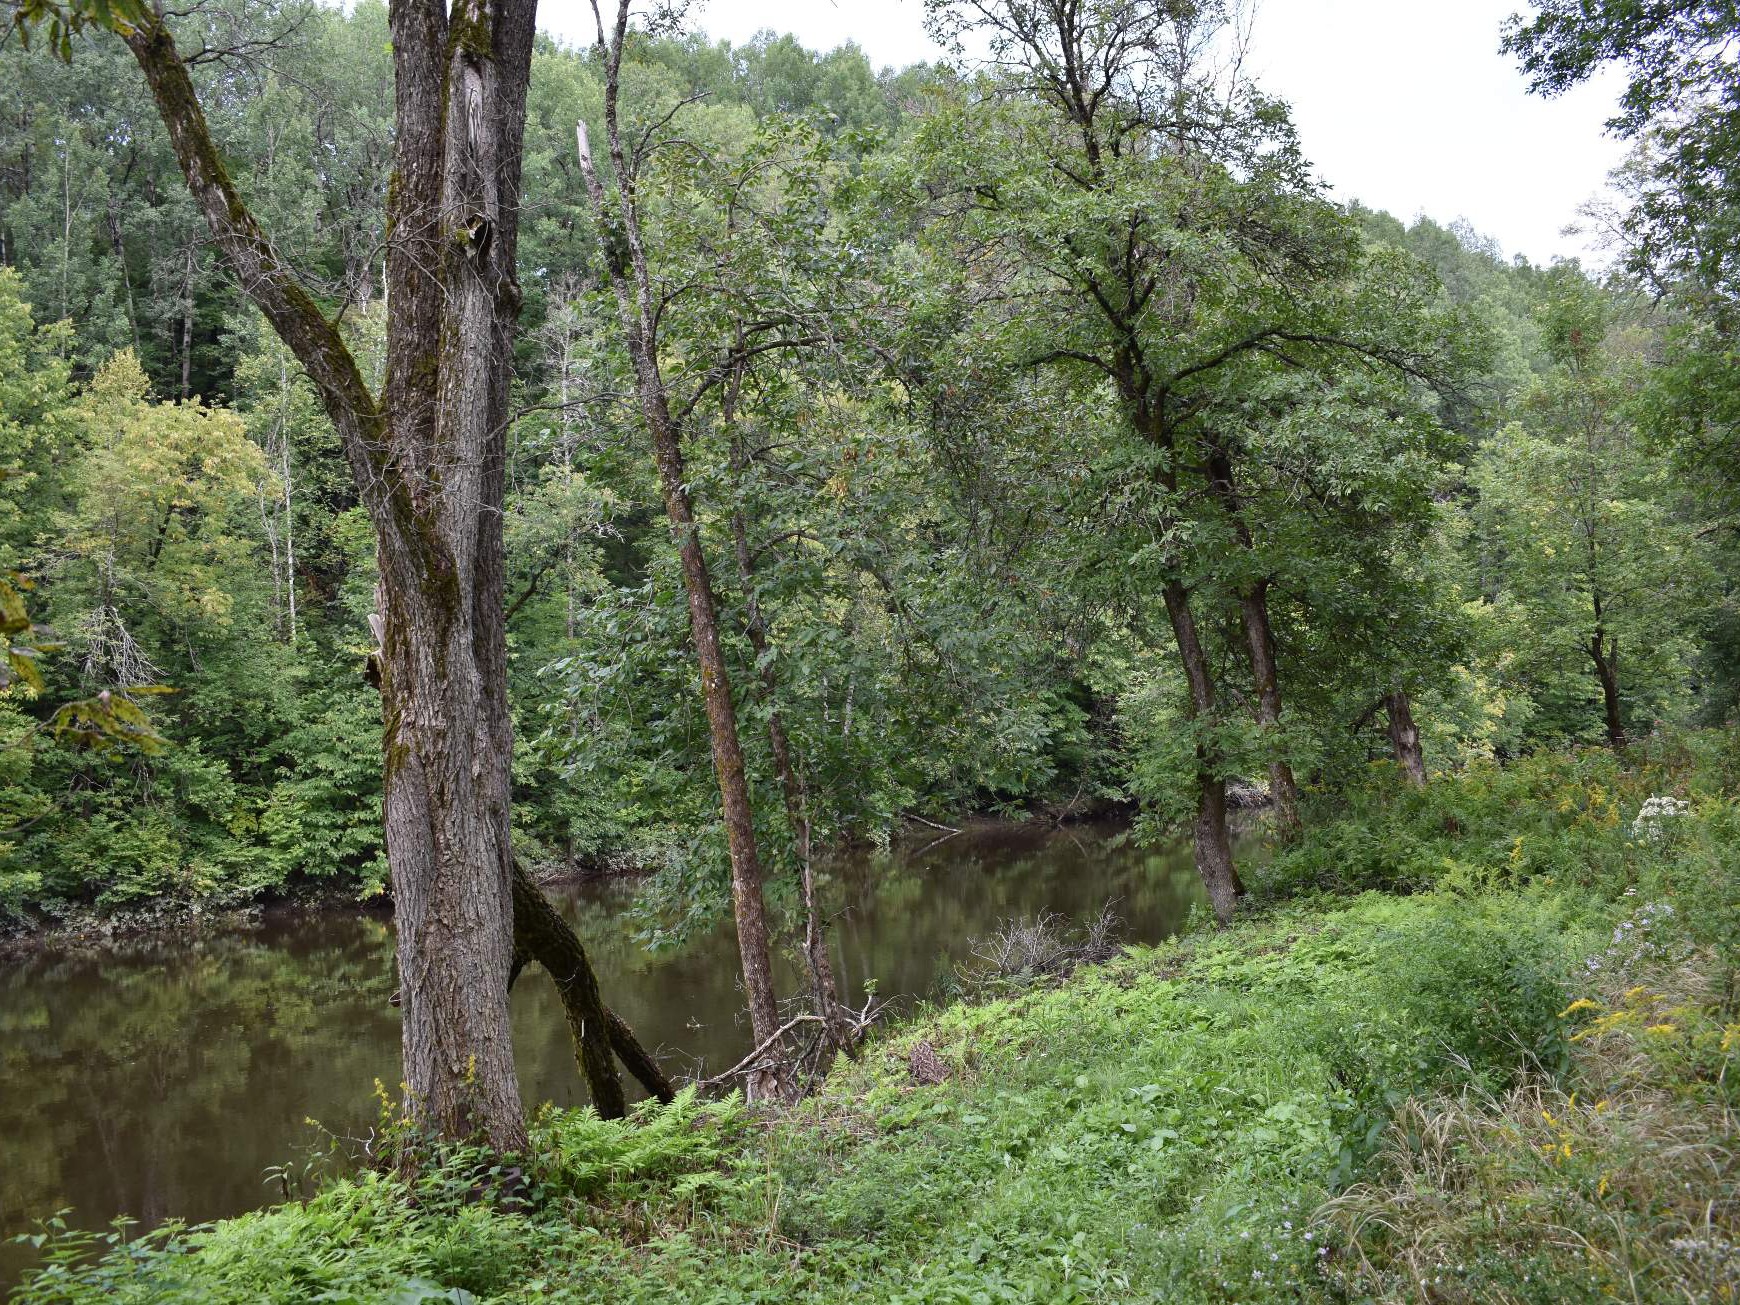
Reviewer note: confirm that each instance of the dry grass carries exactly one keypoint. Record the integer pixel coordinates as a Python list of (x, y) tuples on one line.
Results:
[(1625, 1188)]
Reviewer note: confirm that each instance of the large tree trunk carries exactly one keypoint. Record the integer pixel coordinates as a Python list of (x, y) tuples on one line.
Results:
[(632, 283), (1212, 839), (428, 459), (460, 115), (1405, 737)]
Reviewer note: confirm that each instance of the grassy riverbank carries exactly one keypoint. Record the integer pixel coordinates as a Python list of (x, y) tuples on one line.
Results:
[(1474, 1044)]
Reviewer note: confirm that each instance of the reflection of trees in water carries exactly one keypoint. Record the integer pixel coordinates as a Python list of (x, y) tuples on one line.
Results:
[(907, 912), (897, 917), (161, 1077)]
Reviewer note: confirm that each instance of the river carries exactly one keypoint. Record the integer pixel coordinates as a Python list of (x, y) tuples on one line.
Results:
[(162, 1077)]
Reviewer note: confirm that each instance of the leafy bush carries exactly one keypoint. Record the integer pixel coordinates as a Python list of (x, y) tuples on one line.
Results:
[(1565, 818)]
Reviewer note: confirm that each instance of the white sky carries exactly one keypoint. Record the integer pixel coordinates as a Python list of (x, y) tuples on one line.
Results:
[(1405, 105)]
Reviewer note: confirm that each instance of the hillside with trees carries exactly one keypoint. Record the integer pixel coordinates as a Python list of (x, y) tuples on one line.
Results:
[(435, 459)]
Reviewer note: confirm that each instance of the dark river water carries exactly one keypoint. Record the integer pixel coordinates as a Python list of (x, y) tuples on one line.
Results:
[(162, 1078)]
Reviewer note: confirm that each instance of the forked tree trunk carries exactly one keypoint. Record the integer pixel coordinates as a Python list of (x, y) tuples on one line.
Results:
[(637, 1060), (1212, 839), (428, 459), (541, 934), (632, 283), (1405, 737)]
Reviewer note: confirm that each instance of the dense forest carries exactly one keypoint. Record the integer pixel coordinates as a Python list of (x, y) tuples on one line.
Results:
[(798, 453), (1479, 495)]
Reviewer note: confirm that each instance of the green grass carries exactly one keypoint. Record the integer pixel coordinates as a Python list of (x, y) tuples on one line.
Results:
[(1339, 1099)]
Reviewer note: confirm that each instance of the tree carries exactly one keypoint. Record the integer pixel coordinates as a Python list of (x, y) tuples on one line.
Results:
[(427, 455), (1596, 568), (664, 412), (1123, 213), (1682, 107), (1681, 233), (152, 523)]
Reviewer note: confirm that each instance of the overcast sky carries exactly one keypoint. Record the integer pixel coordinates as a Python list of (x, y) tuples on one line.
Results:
[(1403, 104)]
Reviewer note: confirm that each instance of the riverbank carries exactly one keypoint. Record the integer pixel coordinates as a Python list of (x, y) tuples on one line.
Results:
[(74, 926), (1475, 1044), (38, 925)]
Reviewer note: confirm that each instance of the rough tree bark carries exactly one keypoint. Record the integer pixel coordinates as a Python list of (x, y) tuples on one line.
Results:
[(428, 461), (1405, 737), (632, 282)]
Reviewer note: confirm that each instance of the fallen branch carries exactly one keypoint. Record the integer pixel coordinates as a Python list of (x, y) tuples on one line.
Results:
[(947, 829), (748, 1063), (757, 1060)]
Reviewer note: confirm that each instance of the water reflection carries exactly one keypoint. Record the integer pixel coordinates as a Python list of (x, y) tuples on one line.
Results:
[(162, 1077)]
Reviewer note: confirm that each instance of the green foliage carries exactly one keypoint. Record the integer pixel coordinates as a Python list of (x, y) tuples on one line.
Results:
[(1600, 568), (1609, 1179), (1159, 1128), (1680, 107), (1549, 818), (973, 375), (958, 532), (1336, 1097), (659, 1153), (63, 20)]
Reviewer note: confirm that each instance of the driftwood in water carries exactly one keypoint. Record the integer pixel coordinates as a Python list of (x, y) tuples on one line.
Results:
[(542, 935)]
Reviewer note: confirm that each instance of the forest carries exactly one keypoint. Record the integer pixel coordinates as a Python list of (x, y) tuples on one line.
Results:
[(439, 461)]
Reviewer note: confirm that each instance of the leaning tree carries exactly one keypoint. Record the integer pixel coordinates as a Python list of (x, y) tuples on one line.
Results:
[(427, 452)]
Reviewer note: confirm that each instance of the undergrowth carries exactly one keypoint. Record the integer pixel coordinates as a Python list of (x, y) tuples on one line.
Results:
[(1498, 1067)]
